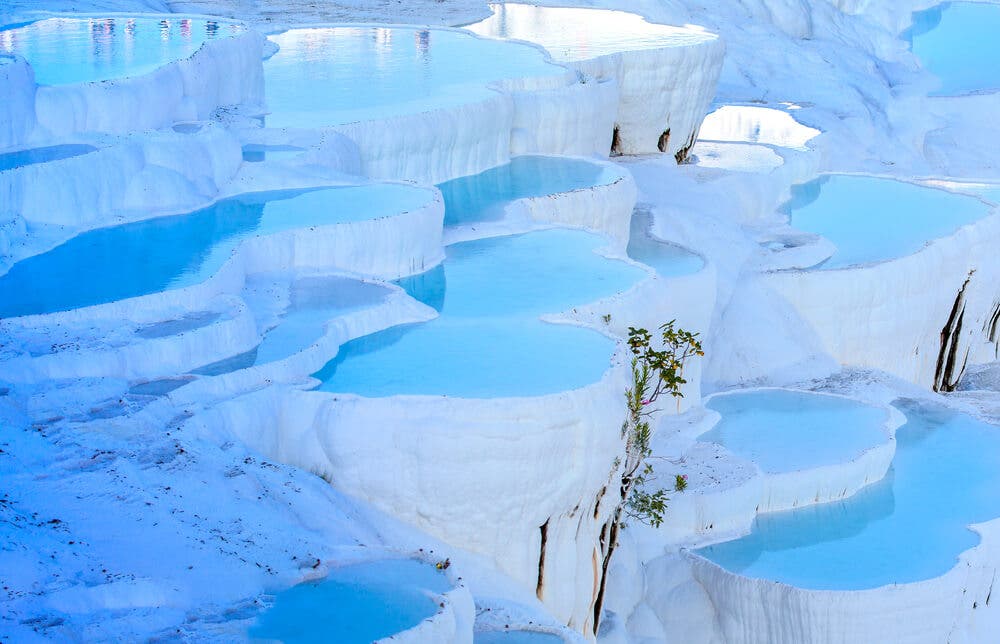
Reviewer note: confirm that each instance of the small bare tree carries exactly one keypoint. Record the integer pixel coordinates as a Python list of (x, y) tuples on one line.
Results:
[(655, 372)]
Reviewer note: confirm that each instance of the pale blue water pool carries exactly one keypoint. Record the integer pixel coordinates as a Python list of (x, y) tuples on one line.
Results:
[(785, 431), (957, 42), (871, 219), (355, 604), (482, 197), (21, 158), (909, 527), (312, 304), (488, 341), (470, 359), (668, 260), (541, 272), (119, 262), (335, 75), (515, 637), (80, 50)]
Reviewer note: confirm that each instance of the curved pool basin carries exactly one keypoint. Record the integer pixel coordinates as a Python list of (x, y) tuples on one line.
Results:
[(515, 637), (956, 41), (668, 260), (489, 341), (62, 51), (470, 358), (354, 604), (313, 302), (335, 75), (482, 197), (783, 430), (546, 271), (873, 219), (574, 34), (130, 260), (33, 156), (910, 526)]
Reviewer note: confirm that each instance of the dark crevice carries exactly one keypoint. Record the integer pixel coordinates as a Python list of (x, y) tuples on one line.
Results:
[(685, 151), (540, 586), (616, 143), (609, 540), (664, 143), (951, 336), (597, 506), (992, 329)]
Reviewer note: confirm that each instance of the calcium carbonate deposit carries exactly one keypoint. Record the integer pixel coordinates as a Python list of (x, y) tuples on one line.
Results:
[(326, 321)]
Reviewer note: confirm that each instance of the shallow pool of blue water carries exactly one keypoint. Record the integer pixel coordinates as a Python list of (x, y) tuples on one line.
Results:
[(355, 604), (335, 75), (668, 260), (313, 303), (470, 359), (515, 637), (78, 50), (21, 158), (957, 42), (119, 262), (784, 431), (547, 271), (872, 219), (482, 197), (909, 527), (489, 341)]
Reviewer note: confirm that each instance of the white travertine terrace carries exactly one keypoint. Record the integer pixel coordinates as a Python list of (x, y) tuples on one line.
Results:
[(124, 179), (872, 322), (485, 475), (665, 75)]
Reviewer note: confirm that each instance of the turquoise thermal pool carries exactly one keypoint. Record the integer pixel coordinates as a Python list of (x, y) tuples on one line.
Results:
[(482, 197), (130, 260), (354, 604), (336, 75), (32, 156), (909, 527), (489, 341), (668, 260), (62, 51), (784, 431), (957, 42), (573, 34), (313, 303), (871, 219)]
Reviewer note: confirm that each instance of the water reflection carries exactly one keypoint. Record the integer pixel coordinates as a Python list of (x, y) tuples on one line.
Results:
[(571, 34), (75, 50)]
